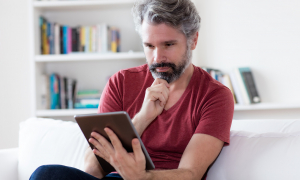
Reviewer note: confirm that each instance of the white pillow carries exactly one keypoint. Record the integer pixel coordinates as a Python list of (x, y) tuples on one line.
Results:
[(254, 156), (47, 141)]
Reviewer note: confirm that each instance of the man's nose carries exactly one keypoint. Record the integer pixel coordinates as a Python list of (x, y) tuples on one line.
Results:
[(159, 55)]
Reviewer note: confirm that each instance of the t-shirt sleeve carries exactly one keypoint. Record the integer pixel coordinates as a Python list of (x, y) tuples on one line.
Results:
[(216, 115), (112, 95)]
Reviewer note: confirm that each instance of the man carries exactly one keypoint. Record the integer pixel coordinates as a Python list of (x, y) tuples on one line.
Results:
[(181, 113)]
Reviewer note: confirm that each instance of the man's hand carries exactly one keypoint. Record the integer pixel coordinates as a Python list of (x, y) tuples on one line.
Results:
[(155, 100), (128, 165)]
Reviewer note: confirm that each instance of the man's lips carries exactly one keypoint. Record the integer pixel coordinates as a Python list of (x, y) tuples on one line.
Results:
[(162, 69)]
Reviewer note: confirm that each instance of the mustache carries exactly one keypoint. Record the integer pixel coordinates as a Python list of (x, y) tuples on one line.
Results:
[(152, 67)]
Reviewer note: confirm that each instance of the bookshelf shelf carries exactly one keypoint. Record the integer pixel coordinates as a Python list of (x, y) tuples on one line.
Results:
[(252, 107), (90, 57), (64, 112), (53, 5), (266, 106)]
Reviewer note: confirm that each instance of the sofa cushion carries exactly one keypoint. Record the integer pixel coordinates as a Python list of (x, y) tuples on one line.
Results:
[(47, 141), (258, 156)]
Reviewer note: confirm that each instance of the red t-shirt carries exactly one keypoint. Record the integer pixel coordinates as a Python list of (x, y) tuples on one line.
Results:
[(205, 107)]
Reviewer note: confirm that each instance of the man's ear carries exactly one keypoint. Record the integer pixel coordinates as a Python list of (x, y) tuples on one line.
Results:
[(194, 41)]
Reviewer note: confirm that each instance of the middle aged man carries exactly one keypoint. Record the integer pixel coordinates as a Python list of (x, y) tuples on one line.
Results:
[(182, 114)]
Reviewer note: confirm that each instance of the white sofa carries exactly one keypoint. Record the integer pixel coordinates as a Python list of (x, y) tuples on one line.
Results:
[(259, 150)]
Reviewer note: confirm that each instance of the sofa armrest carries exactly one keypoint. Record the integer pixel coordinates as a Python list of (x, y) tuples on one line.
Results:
[(9, 164)]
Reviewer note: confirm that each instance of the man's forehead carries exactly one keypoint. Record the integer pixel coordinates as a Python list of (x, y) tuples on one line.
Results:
[(160, 32)]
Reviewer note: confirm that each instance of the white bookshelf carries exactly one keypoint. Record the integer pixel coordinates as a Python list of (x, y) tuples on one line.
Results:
[(91, 70), (266, 106), (90, 57), (53, 5), (64, 112), (237, 108)]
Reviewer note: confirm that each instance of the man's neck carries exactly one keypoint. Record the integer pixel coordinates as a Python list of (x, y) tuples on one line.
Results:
[(183, 81)]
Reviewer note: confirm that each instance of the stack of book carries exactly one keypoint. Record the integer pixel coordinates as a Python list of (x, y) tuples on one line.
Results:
[(87, 99), (57, 92), (63, 39), (240, 82)]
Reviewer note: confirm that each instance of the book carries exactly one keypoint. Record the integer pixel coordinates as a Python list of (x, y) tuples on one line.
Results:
[(227, 82), (56, 38), (69, 45), (236, 89), (82, 39), (41, 34), (45, 39), (45, 92), (62, 94), (61, 39), (87, 39), (54, 92), (250, 84), (65, 39), (241, 86)]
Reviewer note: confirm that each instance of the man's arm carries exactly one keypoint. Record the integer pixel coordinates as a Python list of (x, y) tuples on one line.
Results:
[(91, 164), (200, 153)]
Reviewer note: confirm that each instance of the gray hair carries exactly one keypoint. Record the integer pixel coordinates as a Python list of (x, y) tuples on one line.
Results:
[(180, 14)]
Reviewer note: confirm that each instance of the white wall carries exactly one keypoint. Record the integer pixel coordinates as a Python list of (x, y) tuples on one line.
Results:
[(14, 70), (261, 34)]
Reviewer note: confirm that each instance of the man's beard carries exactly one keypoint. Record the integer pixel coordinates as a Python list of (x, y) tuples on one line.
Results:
[(177, 71)]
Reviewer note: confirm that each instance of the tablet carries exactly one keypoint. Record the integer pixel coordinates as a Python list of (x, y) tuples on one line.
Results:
[(122, 126)]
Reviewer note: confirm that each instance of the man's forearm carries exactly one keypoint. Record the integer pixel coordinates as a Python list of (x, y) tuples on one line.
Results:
[(173, 174), (139, 124)]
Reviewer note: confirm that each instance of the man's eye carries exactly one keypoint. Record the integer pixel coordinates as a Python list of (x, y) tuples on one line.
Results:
[(170, 44), (149, 46)]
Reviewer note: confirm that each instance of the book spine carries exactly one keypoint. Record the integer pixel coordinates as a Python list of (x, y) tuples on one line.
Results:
[(242, 86), (62, 93), (87, 39), (69, 40), (236, 88), (118, 41), (78, 43), (74, 40), (61, 38), (49, 38), (94, 43), (58, 92), (82, 39), (113, 40), (99, 38), (41, 35), (57, 38), (226, 82), (91, 39), (104, 38), (70, 99), (65, 39), (250, 84)]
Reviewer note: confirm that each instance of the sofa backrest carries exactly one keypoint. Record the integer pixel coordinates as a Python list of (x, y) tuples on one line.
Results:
[(260, 150), (47, 141)]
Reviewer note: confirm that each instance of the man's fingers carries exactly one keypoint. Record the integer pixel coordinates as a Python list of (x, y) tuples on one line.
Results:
[(115, 141), (138, 153), (158, 96), (99, 150), (105, 144), (160, 81)]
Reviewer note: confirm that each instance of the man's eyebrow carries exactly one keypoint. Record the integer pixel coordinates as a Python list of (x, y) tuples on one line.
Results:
[(170, 42), (165, 42)]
